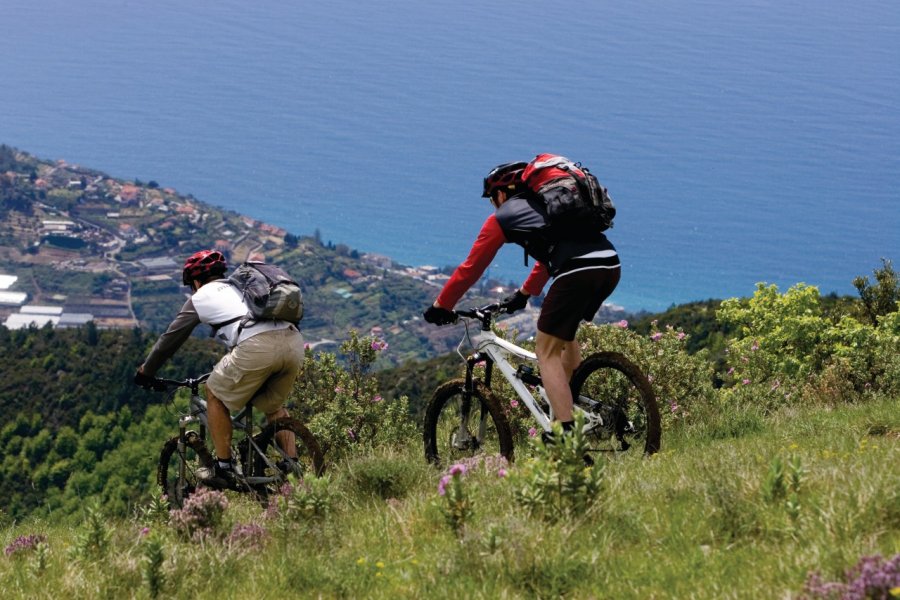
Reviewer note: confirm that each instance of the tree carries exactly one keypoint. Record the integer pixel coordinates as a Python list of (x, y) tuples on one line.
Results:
[(880, 298)]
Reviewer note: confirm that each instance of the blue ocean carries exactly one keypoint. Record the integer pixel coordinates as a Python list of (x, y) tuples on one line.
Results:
[(741, 141)]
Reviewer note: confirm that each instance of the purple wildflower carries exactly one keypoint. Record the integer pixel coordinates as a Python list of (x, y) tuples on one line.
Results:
[(656, 336), (458, 469), (514, 403), (623, 324), (442, 484), (746, 382), (25, 543), (250, 536), (872, 577), (532, 432), (501, 473)]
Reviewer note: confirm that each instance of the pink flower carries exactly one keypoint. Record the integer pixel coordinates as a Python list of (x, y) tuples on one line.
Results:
[(623, 324), (442, 485), (731, 370), (351, 434), (673, 406), (145, 531), (377, 398), (514, 403), (532, 432), (458, 469), (681, 335), (378, 345), (656, 336), (501, 473), (746, 382), (755, 346)]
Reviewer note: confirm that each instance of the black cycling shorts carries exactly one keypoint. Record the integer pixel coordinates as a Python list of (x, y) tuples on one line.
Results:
[(573, 297)]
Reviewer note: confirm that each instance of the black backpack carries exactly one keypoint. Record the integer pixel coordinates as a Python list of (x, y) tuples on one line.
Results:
[(576, 203), (269, 293)]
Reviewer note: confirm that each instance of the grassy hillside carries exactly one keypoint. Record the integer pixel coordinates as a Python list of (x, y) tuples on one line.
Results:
[(708, 517)]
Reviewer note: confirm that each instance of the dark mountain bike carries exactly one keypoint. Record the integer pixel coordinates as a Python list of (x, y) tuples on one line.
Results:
[(186, 460), (464, 417)]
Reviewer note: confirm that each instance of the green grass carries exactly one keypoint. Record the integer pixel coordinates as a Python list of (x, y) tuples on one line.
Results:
[(703, 519)]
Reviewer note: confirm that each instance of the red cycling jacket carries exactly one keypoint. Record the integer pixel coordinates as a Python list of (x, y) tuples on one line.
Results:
[(483, 251)]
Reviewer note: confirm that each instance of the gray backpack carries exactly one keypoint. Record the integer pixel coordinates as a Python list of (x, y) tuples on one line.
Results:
[(269, 293)]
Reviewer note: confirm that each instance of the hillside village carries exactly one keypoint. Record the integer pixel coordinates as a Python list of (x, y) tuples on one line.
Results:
[(78, 246)]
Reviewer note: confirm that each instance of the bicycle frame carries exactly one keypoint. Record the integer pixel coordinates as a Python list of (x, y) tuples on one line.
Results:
[(494, 350), (197, 413)]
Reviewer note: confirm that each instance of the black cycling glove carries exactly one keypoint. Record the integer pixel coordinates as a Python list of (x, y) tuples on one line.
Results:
[(149, 383), (439, 316), (515, 302)]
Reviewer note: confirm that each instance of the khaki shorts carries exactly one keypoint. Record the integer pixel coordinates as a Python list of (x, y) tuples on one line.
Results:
[(261, 370)]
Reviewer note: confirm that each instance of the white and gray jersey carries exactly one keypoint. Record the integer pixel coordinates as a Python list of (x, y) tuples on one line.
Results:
[(215, 302)]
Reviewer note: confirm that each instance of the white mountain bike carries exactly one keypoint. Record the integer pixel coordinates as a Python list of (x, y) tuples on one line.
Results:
[(464, 416)]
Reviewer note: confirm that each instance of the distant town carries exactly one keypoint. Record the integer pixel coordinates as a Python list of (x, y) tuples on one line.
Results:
[(78, 246)]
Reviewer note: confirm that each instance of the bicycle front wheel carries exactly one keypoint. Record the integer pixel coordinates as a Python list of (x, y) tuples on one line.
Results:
[(182, 464), (460, 424), (618, 403)]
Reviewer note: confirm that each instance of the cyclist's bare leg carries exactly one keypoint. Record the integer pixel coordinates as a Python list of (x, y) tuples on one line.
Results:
[(556, 370), (285, 438), (571, 358), (219, 425)]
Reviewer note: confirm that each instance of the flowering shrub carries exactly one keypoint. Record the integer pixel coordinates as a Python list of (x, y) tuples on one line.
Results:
[(201, 516), (457, 509), (341, 402), (873, 577), (302, 500), (785, 348), (24, 544), (248, 537)]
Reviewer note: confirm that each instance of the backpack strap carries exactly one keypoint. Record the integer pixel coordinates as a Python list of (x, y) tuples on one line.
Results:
[(244, 320)]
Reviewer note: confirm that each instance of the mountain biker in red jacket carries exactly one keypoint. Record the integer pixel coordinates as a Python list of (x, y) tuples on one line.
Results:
[(585, 270)]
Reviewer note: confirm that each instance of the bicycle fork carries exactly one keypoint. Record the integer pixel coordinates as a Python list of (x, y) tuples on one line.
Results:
[(463, 438)]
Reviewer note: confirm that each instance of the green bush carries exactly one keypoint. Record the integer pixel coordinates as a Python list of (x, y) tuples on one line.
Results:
[(384, 475), (342, 404), (785, 349)]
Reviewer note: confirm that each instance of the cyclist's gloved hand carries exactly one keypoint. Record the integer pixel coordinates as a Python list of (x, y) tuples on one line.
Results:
[(148, 383), (515, 302), (439, 316)]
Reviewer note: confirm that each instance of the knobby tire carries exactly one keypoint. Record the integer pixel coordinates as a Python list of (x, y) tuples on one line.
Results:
[(446, 399), (616, 381)]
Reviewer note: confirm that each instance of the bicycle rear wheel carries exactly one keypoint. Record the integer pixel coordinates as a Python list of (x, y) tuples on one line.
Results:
[(274, 461), (619, 403), (458, 425), (182, 466)]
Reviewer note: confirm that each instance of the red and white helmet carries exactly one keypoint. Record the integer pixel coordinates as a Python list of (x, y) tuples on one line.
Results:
[(202, 265)]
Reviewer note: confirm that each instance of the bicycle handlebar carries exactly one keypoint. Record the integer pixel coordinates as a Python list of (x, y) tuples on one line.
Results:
[(190, 382), (482, 313)]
